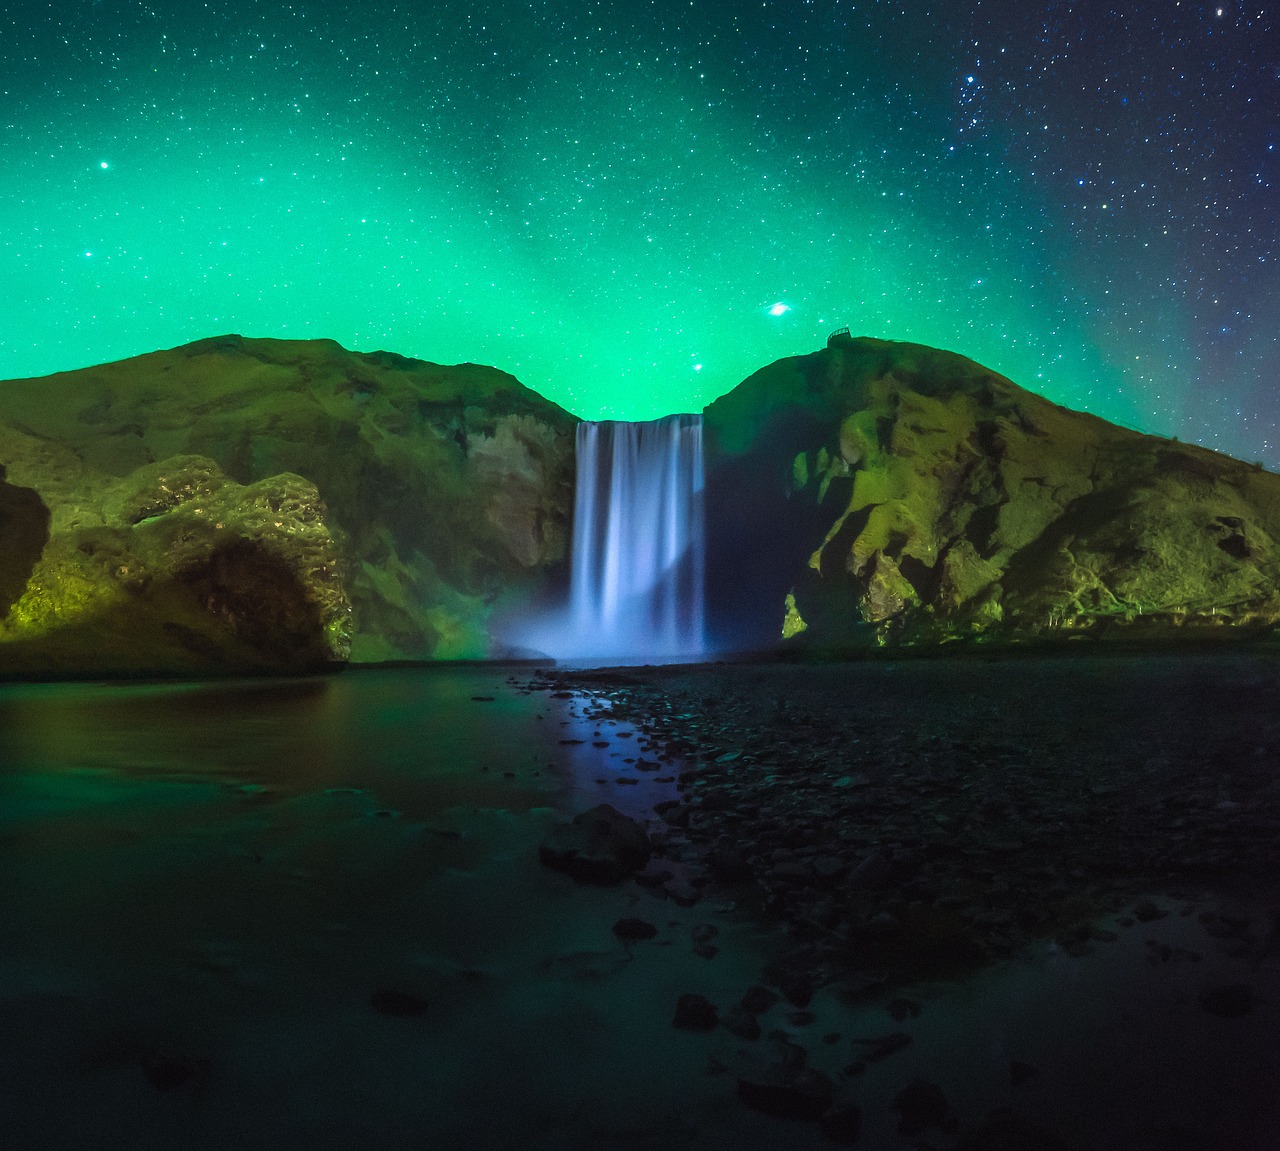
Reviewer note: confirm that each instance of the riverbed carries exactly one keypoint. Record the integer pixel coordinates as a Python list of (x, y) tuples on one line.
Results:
[(311, 912)]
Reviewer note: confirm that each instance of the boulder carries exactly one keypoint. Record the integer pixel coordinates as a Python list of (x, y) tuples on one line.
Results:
[(174, 568), (788, 1092), (600, 846)]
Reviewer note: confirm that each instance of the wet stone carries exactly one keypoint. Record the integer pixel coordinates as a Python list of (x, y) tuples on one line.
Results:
[(841, 1123), (681, 892), (921, 1105), (787, 1092), (1020, 1073), (600, 846), (881, 1047), (901, 1008), (695, 1013), (389, 1001), (740, 1022), (1147, 911), (758, 1000), (1229, 1002), (633, 929), (1008, 1131)]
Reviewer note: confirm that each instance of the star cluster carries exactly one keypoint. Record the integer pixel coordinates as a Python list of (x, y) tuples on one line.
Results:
[(632, 204)]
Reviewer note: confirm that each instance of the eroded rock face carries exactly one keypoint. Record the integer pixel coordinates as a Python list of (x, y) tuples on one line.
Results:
[(175, 568), (901, 494), (24, 530), (447, 490)]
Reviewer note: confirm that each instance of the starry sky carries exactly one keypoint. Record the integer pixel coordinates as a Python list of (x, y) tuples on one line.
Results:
[(633, 204)]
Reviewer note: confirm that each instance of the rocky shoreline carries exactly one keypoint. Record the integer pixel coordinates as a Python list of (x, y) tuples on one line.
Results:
[(898, 823)]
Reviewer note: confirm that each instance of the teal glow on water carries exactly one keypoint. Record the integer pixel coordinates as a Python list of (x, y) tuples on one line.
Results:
[(218, 877), (203, 886)]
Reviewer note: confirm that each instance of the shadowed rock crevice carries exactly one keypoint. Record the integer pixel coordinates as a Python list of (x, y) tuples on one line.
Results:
[(24, 531)]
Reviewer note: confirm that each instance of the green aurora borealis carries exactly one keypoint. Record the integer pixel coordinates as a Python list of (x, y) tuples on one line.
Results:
[(607, 200)]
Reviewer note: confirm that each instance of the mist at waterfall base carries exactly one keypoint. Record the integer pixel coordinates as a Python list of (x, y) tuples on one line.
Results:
[(638, 560)]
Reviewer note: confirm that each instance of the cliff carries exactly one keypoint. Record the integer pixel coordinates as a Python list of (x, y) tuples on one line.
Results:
[(905, 495), (245, 505), (240, 504)]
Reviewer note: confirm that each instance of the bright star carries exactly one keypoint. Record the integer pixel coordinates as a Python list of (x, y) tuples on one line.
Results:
[(103, 164), (779, 309)]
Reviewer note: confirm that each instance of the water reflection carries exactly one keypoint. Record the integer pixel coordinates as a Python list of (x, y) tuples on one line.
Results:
[(418, 739)]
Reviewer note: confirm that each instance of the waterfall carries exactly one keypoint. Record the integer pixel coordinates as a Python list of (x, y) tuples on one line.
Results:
[(636, 583)]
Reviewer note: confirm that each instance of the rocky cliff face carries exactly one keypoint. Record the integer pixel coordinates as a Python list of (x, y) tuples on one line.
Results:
[(237, 504), (903, 495)]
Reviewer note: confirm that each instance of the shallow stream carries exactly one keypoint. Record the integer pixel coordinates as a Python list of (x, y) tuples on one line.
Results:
[(311, 913)]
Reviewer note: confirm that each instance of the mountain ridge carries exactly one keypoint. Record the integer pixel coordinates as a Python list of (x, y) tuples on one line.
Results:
[(870, 493)]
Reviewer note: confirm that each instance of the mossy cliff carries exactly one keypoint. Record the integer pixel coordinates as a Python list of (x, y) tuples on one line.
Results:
[(239, 504), (901, 494)]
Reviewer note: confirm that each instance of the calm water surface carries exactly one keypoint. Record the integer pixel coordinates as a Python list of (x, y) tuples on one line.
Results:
[(204, 889)]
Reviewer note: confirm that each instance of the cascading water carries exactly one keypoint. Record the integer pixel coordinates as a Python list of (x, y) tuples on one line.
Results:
[(636, 584)]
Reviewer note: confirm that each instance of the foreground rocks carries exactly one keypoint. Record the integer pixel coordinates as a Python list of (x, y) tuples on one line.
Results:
[(598, 846), (901, 836), (900, 823)]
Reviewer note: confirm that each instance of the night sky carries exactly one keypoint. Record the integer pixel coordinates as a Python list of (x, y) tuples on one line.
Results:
[(631, 206)]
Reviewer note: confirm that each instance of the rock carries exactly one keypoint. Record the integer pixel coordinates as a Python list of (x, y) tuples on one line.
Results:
[(729, 866), (600, 846), (758, 1000), (391, 1001), (177, 568), (882, 925), (740, 1022), (882, 1046), (695, 1013), (872, 873), (931, 499), (797, 987), (842, 1122), (702, 934), (921, 1105), (1008, 1131), (654, 875), (681, 892), (902, 1008), (787, 1092), (1147, 911), (1020, 1073), (828, 868), (634, 929), (169, 1071), (1233, 1000), (449, 487)]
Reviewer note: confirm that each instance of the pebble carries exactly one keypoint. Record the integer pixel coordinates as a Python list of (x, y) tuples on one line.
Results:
[(1233, 1000), (921, 1105), (634, 929), (695, 1013), (389, 1001)]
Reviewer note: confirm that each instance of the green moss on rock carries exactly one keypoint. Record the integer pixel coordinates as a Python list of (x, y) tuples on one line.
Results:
[(178, 569), (923, 498), (446, 491)]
